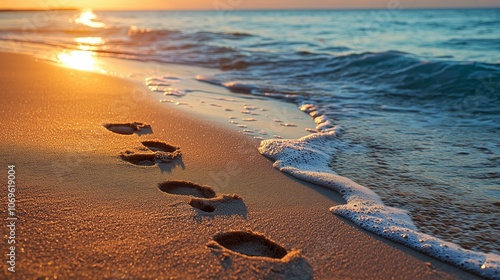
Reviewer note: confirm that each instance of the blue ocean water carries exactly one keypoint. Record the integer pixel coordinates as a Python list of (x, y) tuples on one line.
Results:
[(417, 92)]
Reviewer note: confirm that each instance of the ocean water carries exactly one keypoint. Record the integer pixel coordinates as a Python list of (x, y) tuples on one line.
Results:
[(407, 102)]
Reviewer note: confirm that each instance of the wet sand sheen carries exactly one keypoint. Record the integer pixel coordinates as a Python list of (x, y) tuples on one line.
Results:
[(87, 214)]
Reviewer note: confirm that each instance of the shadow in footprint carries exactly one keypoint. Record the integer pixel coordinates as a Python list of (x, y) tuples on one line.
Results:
[(155, 152), (202, 204), (250, 244), (204, 198), (155, 145), (129, 128)]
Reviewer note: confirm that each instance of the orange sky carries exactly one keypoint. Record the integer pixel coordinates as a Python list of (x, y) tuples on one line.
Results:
[(240, 4)]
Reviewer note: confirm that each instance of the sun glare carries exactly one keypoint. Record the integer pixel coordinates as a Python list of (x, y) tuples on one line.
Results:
[(82, 60), (87, 18), (90, 40)]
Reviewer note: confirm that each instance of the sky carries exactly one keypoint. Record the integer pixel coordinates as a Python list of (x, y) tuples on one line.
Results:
[(242, 4)]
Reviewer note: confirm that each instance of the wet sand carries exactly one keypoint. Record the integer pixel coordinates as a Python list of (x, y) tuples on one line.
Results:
[(201, 203)]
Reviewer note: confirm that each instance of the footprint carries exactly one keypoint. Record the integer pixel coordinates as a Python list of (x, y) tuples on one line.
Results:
[(186, 188), (249, 243), (155, 152), (129, 128), (257, 257), (204, 197)]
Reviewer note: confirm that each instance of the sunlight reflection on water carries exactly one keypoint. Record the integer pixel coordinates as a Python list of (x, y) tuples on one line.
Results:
[(78, 59), (87, 18)]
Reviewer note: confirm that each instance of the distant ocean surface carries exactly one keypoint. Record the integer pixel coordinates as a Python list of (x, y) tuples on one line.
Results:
[(417, 92)]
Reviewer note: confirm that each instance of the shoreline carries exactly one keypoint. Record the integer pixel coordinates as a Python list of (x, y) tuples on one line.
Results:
[(203, 99), (84, 212)]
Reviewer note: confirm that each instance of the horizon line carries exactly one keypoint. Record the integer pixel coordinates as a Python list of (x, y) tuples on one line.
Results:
[(234, 10)]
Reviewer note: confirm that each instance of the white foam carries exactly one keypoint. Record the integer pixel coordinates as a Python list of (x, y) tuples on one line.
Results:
[(209, 79), (308, 158), (288, 124), (250, 108), (323, 123), (162, 84), (239, 86), (174, 91)]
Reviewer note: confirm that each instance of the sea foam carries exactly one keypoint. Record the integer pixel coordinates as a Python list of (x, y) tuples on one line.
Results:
[(308, 159)]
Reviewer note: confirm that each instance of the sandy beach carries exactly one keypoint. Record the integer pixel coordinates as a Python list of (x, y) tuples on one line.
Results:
[(86, 211)]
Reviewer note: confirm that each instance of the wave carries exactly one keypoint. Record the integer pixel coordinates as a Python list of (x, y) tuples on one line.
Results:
[(147, 35), (407, 72), (136, 33), (476, 44), (394, 77), (398, 74), (203, 36)]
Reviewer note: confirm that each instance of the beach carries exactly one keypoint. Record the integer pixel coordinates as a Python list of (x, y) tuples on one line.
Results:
[(85, 212)]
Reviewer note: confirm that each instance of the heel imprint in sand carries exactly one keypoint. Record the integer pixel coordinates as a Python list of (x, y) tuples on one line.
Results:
[(153, 152), (248, 243), (129, 128), (201, 197)]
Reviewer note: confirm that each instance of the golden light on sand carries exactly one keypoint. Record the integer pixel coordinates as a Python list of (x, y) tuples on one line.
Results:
[(87, 18), (90, 40), (82, 60)]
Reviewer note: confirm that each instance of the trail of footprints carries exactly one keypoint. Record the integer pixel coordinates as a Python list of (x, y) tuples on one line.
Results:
[(203, 198)]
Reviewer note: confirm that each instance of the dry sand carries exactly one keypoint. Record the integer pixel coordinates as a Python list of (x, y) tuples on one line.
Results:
[(86, 213)]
